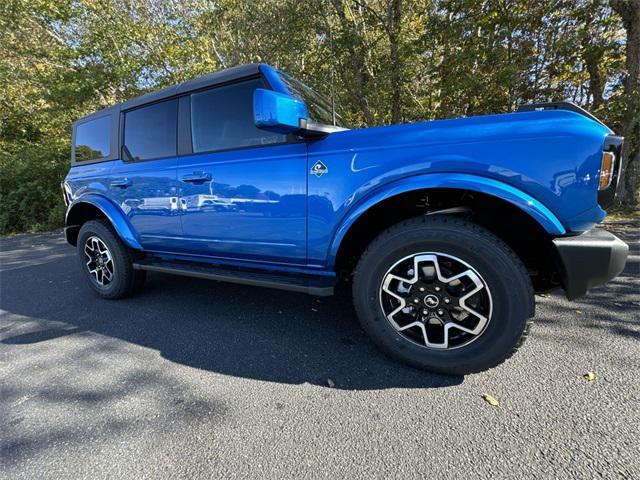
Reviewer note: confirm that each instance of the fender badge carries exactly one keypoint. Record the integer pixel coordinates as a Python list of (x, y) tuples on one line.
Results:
[(319, 169)]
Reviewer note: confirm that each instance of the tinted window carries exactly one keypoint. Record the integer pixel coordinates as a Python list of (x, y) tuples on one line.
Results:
[(92, 139), (150, 132), (222, 118)]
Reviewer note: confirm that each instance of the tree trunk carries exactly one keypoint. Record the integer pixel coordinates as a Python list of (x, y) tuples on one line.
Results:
[(629, 11), (395, 24), (357, 61), (592, 61)]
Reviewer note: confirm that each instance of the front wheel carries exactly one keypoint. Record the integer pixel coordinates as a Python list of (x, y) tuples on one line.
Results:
[(443, 294)]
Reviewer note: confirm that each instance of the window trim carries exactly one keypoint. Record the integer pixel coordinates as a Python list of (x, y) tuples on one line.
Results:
[(184, 143), (112, 154)]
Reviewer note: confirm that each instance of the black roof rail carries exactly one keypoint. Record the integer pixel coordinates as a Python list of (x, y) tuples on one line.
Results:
[(572, 107)]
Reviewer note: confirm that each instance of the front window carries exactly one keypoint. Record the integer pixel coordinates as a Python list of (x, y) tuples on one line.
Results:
[(222, 119), (319, 107)]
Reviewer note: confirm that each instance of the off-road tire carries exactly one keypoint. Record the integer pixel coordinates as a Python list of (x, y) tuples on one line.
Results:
[(504, 273)]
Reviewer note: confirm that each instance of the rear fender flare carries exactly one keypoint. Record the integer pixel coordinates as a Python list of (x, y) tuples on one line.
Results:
[(118, 220)]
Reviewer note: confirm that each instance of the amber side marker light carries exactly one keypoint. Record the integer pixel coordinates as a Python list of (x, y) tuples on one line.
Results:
[(606, 169)]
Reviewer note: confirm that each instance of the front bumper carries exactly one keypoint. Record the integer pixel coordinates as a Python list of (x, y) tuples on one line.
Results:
[(589, 260)]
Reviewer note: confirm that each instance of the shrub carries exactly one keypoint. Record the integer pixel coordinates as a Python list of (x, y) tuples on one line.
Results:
[(30, 193)]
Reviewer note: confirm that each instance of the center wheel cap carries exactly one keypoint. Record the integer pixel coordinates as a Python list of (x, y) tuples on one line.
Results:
[(431, 301)]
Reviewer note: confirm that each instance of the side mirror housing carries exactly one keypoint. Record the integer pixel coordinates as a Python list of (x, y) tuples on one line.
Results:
[(278, 112)]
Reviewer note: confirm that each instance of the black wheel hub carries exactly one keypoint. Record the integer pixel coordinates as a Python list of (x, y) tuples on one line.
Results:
[(433, 302)]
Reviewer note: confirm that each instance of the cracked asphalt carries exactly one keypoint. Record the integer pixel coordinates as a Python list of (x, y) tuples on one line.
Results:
[(198, 379)]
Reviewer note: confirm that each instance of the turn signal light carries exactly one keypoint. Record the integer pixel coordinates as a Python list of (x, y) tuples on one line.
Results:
[(606, 169)]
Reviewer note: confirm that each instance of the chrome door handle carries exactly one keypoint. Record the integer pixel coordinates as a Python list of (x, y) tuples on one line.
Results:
[(121, 183), (197, 177)]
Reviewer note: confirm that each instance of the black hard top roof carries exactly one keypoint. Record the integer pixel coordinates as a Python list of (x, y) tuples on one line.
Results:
[(204, 81)]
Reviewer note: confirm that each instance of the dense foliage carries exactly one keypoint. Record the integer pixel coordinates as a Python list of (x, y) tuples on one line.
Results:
[(385, 61)]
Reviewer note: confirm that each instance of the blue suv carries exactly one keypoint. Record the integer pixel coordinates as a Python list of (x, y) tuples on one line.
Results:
[(444, 230)]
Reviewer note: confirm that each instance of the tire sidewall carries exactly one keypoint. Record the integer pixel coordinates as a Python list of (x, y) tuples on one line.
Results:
[(510, 305)]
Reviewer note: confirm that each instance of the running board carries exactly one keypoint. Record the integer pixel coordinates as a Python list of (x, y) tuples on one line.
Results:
[(318, 286)]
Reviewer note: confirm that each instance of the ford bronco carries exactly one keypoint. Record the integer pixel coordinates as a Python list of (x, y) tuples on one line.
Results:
[(443, 229)]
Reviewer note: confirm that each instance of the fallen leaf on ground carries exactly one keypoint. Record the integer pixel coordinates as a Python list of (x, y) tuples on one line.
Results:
[(331, 383), (589, 376), (490, 400)]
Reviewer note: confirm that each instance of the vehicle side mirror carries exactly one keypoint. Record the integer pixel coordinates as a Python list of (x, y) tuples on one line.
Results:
[(278, 112)]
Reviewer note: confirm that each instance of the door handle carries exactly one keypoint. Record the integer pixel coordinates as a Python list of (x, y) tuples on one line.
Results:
[(121, 183), (197, 177)]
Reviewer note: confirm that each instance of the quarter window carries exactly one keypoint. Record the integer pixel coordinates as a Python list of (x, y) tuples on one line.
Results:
[(92, 139), (151, 131), (222, 118)]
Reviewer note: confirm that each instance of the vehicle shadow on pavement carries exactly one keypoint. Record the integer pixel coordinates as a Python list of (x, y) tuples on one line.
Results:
[(242, 331)]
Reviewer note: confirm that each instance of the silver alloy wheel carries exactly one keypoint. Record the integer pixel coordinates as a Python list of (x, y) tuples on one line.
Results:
[(99, 261), (436, 300)]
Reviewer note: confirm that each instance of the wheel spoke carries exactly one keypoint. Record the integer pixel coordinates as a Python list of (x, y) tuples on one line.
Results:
[(99, 262), (406, 306), (107, 273)]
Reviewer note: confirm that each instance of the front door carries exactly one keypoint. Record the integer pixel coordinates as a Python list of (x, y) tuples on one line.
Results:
[(243, 190)]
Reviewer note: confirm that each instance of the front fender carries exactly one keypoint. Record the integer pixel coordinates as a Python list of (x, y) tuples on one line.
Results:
[(503, 191), (110, 210)]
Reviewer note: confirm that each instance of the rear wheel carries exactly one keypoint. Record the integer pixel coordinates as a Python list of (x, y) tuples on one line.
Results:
[(443, 294), (106, 262)]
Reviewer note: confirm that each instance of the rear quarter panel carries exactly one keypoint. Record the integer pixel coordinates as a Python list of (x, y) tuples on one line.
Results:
[(91, 178)]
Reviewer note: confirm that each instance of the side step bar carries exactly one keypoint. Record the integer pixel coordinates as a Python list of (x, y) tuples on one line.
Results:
[(318, 286)]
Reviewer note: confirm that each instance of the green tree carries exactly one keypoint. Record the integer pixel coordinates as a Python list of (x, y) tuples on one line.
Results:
[(384, 61)]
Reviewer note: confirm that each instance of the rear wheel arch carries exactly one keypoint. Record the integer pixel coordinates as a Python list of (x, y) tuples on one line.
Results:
[(96, 208)]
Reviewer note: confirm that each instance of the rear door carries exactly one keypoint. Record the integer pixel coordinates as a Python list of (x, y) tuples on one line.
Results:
[(143, 181), (243, 189)]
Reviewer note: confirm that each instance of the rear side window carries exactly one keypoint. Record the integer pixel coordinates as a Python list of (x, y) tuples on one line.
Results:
[(222, 118), (92, 139), (150, 132)]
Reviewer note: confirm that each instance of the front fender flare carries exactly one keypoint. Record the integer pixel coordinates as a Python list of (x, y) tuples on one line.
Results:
[(113, 213), (535, 209)]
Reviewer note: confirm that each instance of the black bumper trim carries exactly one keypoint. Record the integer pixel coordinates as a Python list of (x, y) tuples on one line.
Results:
[(71, 234), (589, 260)]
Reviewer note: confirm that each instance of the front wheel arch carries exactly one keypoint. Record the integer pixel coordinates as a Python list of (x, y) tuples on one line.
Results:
[(509, 223), (535, 210)]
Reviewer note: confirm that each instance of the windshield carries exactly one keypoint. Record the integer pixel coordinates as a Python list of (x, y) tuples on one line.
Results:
[(319, 107)]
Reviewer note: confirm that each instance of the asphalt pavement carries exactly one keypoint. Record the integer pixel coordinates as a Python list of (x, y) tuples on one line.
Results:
[(199, 379)]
